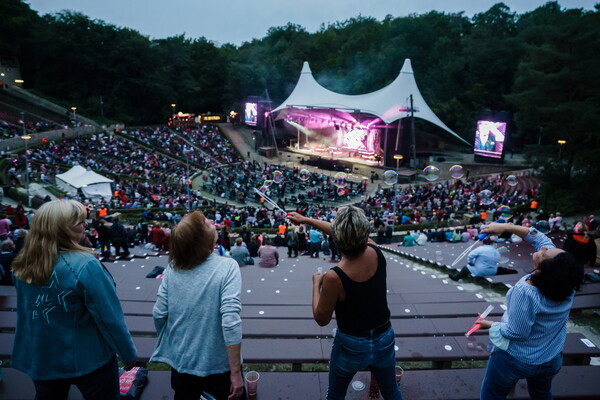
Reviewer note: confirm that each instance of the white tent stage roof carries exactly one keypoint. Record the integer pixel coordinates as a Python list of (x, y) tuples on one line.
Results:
[(92, 185), (390, 103)]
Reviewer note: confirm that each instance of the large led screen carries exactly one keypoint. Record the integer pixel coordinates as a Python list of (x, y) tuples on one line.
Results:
[(489, 139), (251, 114)]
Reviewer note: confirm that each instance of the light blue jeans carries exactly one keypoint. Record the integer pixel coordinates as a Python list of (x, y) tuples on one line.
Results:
[(504, 371), (351, 354)]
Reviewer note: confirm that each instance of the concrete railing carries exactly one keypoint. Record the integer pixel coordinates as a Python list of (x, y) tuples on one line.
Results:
[(41, 102), (17, 144)]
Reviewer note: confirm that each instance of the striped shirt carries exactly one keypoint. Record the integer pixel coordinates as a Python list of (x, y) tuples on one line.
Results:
[(535, 325)]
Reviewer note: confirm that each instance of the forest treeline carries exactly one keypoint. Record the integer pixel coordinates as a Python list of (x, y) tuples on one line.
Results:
[(542, 66)]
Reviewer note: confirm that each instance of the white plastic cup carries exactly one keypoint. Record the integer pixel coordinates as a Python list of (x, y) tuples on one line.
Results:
[(399, 373), (252, 378), (319, 270)]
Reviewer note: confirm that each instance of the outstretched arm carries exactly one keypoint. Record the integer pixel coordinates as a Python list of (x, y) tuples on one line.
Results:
[(531, 235), (496, 228), (298, 219)]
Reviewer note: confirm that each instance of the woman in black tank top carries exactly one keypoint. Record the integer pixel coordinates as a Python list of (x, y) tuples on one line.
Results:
[(356, 291)]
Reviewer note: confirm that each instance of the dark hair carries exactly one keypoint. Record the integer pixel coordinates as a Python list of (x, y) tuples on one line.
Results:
[(487, 240), (558, 276)]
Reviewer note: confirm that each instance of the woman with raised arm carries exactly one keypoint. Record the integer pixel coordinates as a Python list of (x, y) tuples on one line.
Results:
[(197, 315), (70, 324), (356, 291), (529, 340)]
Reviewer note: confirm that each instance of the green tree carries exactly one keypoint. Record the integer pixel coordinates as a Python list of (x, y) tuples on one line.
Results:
[(556, 95)]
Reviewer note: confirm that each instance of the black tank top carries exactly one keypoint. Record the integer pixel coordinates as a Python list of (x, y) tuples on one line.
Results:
[(365, 307)]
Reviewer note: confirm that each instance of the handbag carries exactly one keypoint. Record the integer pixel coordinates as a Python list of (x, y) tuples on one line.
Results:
[(132, 382)]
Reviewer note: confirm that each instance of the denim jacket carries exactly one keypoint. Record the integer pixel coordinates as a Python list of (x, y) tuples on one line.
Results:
[(73, 324)]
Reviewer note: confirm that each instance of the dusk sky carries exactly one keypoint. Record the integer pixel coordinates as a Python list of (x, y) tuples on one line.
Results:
[(238, 21)]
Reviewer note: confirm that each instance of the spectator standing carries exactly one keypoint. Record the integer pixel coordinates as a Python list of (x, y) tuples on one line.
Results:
[(529, 340), (292, 242), (315, 238), (581, 245), (356, 291), (302, 240), (4, 226), (80, 307), (224, 238), (197, 315), (7, 256), (103, 238), (118, 237), (157, 236)]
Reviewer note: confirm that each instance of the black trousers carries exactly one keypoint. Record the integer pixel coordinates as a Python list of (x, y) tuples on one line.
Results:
[(191, 387), (101, 384), (121, 245)]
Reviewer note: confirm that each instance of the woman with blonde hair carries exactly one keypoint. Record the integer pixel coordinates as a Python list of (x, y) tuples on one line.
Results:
[(70, 324), (356, 291), (197, 315)]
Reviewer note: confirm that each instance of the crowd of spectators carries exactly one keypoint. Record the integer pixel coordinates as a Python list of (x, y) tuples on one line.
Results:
[(144, 177), (446, 201), (9, 130), (287, 185)]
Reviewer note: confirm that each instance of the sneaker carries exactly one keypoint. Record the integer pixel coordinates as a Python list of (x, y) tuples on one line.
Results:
[(453, 277)]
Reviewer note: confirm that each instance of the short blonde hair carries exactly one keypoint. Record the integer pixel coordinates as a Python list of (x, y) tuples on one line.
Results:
[(191, 243), (350, 230), (51, 232)]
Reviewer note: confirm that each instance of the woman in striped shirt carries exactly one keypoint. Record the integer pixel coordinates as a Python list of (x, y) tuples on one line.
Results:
[(529, 340)]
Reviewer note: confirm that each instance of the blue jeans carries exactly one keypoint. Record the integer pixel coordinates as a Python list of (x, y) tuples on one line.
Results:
[(351, 354), (101, 384), (504, 371)]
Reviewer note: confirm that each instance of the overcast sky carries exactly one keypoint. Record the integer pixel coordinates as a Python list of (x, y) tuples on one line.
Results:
[(238, 21)]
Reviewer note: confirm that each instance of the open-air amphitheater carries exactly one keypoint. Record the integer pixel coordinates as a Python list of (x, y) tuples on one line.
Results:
[(429, 313)]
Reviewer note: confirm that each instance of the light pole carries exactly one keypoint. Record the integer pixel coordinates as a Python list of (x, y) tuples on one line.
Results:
[(186, 153), (560, 142), (26, 138), (397, 157), (173, 105), (74, 109)]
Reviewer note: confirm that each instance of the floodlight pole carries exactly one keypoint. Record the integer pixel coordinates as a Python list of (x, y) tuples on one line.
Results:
[(412, 110), (397, 157), (186, 154), (26, 138), (414, 142)]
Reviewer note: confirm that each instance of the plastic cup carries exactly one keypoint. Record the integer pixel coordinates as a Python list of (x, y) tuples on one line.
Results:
[(399, 373), (252, 378), (319, 270)]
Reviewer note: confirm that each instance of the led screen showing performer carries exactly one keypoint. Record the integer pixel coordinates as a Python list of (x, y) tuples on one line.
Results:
[(489, 138), (251, 114)]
